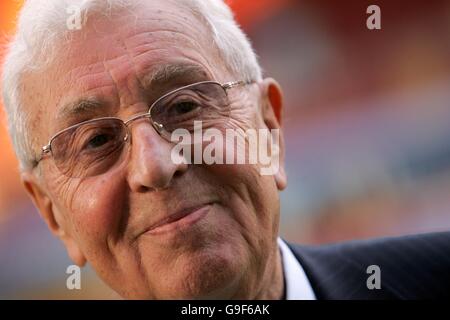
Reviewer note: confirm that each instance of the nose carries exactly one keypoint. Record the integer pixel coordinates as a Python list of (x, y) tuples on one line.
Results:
[(150, 167)]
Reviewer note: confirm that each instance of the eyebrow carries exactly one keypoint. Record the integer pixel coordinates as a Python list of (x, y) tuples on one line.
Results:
[(79, 107), (170, 72), (159, 76)]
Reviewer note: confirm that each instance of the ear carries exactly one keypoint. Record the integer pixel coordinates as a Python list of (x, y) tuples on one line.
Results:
[(52, 217), (272, 110)]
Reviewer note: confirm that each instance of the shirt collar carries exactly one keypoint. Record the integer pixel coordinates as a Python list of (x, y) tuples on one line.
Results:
[(297, 285)]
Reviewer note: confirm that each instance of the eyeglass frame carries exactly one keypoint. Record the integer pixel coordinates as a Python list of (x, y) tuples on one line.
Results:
[(47, 149)]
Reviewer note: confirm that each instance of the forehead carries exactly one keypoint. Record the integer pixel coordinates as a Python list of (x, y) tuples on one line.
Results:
[(160, 33), (111, 57), (158, 25)]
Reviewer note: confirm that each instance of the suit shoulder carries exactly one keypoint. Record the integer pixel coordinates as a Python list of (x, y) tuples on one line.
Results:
[(411, 267)]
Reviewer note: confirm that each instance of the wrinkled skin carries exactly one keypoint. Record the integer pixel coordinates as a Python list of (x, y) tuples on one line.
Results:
[(232, 251)]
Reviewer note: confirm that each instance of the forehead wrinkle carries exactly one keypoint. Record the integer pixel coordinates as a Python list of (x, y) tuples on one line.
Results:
[(88, 79), (90, 99), (174, 32), (94, 85), (145, 46), (122, 73), (167, 35), (178, 18), (146, 50)]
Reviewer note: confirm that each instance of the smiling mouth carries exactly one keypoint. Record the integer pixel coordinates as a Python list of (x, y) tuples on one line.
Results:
[(180, 220)]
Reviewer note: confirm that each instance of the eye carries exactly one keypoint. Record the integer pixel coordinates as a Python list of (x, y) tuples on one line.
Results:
[(184, 107), (98, 141)]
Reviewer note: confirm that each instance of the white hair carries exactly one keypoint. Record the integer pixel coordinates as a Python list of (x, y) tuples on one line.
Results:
[(42, 27)]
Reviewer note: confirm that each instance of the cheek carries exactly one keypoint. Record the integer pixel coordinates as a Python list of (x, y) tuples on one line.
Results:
[(252, 206), (105, 204), (252, 198), (95, 208)]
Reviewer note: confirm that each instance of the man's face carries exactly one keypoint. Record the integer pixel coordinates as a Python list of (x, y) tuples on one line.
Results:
[(225, 247)]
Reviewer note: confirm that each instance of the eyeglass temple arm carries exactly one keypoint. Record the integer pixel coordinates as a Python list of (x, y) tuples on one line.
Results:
[(44, 151), (234, 84)]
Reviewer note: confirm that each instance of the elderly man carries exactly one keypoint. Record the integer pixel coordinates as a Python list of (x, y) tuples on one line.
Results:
[(91, 109)]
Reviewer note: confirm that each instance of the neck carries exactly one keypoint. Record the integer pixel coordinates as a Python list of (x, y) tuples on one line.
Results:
[(272, 287), (267, 283)]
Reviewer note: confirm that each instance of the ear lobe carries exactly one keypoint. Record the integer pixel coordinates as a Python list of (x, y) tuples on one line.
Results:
[(41, 201), (54, 222), (75, 252)]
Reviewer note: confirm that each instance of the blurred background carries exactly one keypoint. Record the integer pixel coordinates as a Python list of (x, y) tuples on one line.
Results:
[(367, 128)]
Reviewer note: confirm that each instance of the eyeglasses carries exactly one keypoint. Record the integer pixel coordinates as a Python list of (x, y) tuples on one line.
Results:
[(93, 147)]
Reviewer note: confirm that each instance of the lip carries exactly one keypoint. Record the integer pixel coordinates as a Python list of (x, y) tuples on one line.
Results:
[(180, 220)]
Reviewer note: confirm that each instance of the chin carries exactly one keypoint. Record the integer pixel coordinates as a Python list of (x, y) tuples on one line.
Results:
[(208, 274)]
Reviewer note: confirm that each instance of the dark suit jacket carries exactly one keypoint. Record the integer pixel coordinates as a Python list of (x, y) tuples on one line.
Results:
[(412, 267)]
